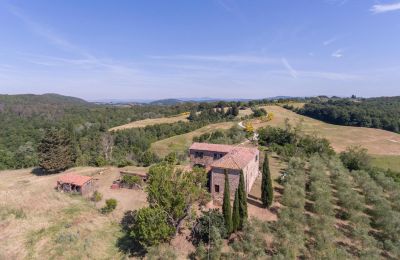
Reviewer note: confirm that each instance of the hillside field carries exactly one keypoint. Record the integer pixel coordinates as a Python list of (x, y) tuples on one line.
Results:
[(180, 143), (378, 142), (37, 222), (151, 121)]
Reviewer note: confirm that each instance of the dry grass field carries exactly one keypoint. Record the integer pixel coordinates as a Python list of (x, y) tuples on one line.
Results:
[(181, 143), (151, 121), (37, 222), (378, 142), (167, 120)]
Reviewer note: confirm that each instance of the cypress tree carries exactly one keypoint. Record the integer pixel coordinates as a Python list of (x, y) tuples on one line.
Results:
[(226, 205), (242, 200), (267, 192), (235, 213)]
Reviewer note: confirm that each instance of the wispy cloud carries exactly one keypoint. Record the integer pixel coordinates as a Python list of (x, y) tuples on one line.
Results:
[(338, 54), (337, 2), (383, 8), (231, 7), (46, 33), (289, 68), (82, 58), (329, 41), (236, 58)]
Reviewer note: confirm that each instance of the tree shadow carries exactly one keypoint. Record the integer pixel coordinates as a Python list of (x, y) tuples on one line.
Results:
[(39, 171), (130, 246), (255, 202), (253, 197)]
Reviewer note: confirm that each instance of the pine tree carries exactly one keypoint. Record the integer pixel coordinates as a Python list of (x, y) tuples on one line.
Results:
[(267, 192), (236, 213), (226, 205), (242, 200), (56, 151)]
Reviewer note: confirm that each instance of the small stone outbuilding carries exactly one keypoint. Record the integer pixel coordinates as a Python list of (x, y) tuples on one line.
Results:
[(75, 183)]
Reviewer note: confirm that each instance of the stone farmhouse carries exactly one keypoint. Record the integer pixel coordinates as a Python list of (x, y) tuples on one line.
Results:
[(218, 158)]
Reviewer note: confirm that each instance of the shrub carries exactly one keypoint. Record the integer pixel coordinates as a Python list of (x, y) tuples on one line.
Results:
[(150, 227), (201, 229), (131, 180), (355, 158), (97, 196), (111, 204)]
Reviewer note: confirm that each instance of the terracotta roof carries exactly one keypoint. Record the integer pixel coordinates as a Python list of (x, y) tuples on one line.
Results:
[(238, 158), (74, 179), (224, 148)]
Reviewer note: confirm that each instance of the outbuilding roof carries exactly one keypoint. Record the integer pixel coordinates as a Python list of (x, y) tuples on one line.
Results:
[(78, 180), (224, 148)]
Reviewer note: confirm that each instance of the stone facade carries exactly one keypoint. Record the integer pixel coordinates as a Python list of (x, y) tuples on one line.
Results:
[(220, 158)]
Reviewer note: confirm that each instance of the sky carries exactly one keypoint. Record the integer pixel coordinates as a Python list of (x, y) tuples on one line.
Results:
[(147, 49)]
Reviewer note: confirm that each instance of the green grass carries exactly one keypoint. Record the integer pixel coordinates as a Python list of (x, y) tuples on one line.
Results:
[(387, 162), (181, 143)]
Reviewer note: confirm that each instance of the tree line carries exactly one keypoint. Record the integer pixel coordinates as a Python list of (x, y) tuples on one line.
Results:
[(382, 113)]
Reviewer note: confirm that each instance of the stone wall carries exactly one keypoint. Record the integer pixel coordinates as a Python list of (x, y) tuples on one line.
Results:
[(218, 178), (206, 161)]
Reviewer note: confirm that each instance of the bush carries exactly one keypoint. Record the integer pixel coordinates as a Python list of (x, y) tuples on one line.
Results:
[(97, 196), (259, 112), (111, 204), (355, 158), (201, 229), (131, 180), (150, 227)]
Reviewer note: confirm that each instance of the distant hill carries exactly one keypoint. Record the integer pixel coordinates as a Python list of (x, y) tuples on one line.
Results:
[(29, 104), (166, 102), (45, 98)]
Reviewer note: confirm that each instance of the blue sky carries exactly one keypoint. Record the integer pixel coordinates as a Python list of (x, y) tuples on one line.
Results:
[(147, 49)]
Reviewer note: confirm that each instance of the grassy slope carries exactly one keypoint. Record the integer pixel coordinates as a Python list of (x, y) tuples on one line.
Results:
[(391, 162), (378, 142), (181, 143), (38, 222), (151, 121)]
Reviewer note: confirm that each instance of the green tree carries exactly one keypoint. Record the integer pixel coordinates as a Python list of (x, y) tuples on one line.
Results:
[(242, 200), (236, 213), (267, 192), (355, 158), (150, 227), (174, 190), (56, 152), (226, 205)]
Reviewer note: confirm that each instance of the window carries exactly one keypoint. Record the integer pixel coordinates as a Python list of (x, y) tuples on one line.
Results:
[(217, 156), (216, 188), (198, 155), (256, 158)]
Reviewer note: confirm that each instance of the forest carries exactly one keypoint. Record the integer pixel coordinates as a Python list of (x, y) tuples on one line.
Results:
[(382, 112), (26, 118)]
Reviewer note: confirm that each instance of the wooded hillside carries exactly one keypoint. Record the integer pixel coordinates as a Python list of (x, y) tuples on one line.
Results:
[(382, 113)]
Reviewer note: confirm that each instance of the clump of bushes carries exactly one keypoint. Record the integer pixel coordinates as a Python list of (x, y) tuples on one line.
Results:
[(290, 143), (234, 135), (97, 196), (131, 180), (355, 158), (259, 112), (111, 204)]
